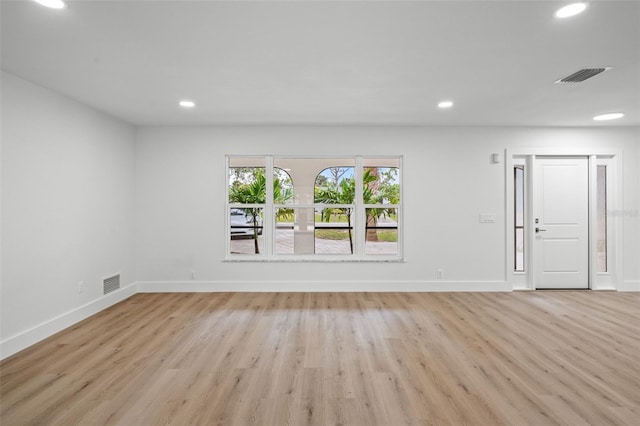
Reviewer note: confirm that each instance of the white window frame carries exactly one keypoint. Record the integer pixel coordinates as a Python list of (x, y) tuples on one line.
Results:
[(269, 221), (607, 279), (521, 162)]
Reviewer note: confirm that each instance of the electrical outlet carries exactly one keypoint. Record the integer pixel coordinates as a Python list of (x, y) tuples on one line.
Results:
[(80, 286), (440, 274), (193, 275)]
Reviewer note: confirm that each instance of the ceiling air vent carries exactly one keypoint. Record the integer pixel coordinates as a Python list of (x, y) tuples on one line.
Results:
[(582, 75), (111, 284)]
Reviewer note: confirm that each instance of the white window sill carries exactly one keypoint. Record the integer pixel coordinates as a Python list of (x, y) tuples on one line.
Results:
[(310, 260)]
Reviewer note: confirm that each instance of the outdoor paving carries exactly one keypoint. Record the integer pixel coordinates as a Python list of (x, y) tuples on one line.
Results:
[(285, 245)]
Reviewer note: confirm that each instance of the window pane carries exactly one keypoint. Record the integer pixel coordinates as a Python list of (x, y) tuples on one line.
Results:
[(247, 185), (518, 212), (284, 235), (519, 196), (381, 185), (282, 186), (334, 231), (294, 233), (246, 230), (519, 250), (602, 218), (381, 231), (335, 185)]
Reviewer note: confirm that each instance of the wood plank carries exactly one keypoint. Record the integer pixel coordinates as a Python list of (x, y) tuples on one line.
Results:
[(526, 358)]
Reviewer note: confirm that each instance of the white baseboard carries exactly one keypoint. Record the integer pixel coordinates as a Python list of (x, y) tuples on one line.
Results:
[(318, 286), (629, 286), (48, 328)]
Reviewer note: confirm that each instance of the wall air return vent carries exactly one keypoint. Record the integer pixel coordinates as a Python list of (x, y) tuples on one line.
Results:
[(582, 75), (111, 284)]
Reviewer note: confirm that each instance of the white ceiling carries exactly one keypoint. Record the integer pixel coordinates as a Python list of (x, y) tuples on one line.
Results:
[(331, 62)]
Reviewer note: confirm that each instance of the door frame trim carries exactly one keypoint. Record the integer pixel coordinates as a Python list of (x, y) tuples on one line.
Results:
[(612, 157)]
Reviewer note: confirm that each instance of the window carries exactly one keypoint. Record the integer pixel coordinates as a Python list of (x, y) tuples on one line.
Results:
[(381, 196), (338, 208), (334, 189), (602, 218), (246, 199), (518, 212), (247, 196)]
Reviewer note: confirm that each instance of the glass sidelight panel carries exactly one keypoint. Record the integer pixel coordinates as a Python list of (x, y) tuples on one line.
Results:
[(518, 211), (602, 218)]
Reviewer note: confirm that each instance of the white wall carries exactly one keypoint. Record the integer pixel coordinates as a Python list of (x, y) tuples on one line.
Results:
[(67, 210), (448, 181), (85, 195)]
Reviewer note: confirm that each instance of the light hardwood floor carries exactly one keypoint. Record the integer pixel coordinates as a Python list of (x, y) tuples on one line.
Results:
[(534, 358)]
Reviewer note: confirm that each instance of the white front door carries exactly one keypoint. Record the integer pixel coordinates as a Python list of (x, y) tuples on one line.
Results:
[(561, 223)]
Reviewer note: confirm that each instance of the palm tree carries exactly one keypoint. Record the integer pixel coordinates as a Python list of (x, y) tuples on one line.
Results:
[(344, 193)]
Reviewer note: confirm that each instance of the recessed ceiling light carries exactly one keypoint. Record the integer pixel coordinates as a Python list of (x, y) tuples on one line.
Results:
[(570, 10), (187, 103), (53, 4), (445, 104), (608, 116)]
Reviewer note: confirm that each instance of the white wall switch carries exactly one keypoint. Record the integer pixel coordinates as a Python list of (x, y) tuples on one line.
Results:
[(487, 218)]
